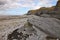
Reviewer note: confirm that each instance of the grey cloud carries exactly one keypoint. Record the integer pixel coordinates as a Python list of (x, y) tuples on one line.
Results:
[(2, 3), (6, 4)]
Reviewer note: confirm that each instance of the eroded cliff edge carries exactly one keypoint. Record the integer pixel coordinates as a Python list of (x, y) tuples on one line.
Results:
[(53, 11)]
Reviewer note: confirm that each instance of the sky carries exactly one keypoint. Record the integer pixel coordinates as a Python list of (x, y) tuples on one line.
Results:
[(20, 7)]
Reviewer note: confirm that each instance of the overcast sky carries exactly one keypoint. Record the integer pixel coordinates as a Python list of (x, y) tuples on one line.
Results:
[(19, 7)]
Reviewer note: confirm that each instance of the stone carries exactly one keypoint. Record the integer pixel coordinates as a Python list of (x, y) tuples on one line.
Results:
[(50, 26), (29, 27)]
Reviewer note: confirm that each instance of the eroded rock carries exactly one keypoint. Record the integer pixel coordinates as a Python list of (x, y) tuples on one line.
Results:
[(30, 28), (50, 26)]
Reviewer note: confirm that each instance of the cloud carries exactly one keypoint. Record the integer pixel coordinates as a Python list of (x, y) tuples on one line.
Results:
[(33, 4)]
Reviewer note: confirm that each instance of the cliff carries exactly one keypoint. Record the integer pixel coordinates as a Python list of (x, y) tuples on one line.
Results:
[(57, 8), (40, 11), (51, 11)]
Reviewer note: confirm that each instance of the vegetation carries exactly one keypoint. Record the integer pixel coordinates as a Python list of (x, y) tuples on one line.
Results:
[(53, 9)]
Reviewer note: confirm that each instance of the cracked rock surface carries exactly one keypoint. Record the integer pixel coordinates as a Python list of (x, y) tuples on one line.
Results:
[(29, 28)]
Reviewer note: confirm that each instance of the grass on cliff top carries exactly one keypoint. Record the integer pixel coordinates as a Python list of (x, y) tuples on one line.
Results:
[(41, 9)]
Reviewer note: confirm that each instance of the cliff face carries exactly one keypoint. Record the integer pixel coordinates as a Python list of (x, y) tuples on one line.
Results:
[(40, 11), (57, 8), (52, 11)]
